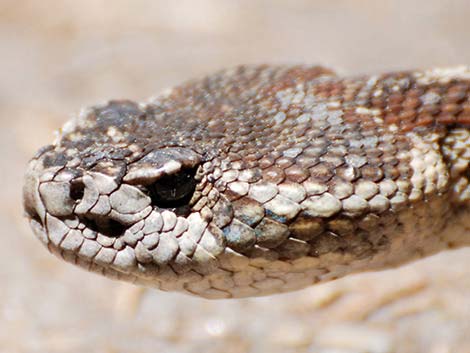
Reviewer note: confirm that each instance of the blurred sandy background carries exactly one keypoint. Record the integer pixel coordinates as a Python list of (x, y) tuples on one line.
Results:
[(57, 56)]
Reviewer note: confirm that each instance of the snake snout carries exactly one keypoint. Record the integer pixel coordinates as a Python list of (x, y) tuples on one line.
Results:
[(105, 208), (47, 200), (42, 196)]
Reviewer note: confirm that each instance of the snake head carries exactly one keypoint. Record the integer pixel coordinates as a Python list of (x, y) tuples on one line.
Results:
[(132, 213)]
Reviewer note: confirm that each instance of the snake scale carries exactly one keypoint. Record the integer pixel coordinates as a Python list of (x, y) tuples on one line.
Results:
[(259, 179)]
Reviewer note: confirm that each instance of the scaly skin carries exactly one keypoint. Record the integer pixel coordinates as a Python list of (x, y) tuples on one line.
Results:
[(259, 180)]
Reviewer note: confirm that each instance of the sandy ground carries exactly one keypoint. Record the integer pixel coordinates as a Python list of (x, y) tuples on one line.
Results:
[(57, 56)]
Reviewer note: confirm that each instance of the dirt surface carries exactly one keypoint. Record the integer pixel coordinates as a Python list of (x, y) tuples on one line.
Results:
[(57, 56)]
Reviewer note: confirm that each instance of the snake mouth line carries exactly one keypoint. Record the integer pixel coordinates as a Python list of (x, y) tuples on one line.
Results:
[(103, 225)]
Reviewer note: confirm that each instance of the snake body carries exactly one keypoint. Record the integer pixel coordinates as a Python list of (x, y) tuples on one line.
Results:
[(259, 179)]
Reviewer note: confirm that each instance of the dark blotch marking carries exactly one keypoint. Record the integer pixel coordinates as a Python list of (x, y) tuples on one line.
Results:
[(55, 160), (118, 113)]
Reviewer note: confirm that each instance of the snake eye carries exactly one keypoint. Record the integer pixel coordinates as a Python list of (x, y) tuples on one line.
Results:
[(171, 191)]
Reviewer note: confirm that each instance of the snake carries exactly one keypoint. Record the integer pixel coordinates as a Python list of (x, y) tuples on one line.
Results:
[(259, 179)]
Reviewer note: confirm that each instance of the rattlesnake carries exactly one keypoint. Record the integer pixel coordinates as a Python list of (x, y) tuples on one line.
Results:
[(259, 179)]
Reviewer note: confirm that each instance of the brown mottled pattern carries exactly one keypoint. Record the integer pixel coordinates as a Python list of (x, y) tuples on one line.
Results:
[(260, 179)]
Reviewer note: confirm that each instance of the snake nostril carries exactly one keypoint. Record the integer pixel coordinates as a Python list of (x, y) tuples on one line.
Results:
[(77, 190)]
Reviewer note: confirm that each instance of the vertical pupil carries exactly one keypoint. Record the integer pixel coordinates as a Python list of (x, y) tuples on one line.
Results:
[(173, 190)]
